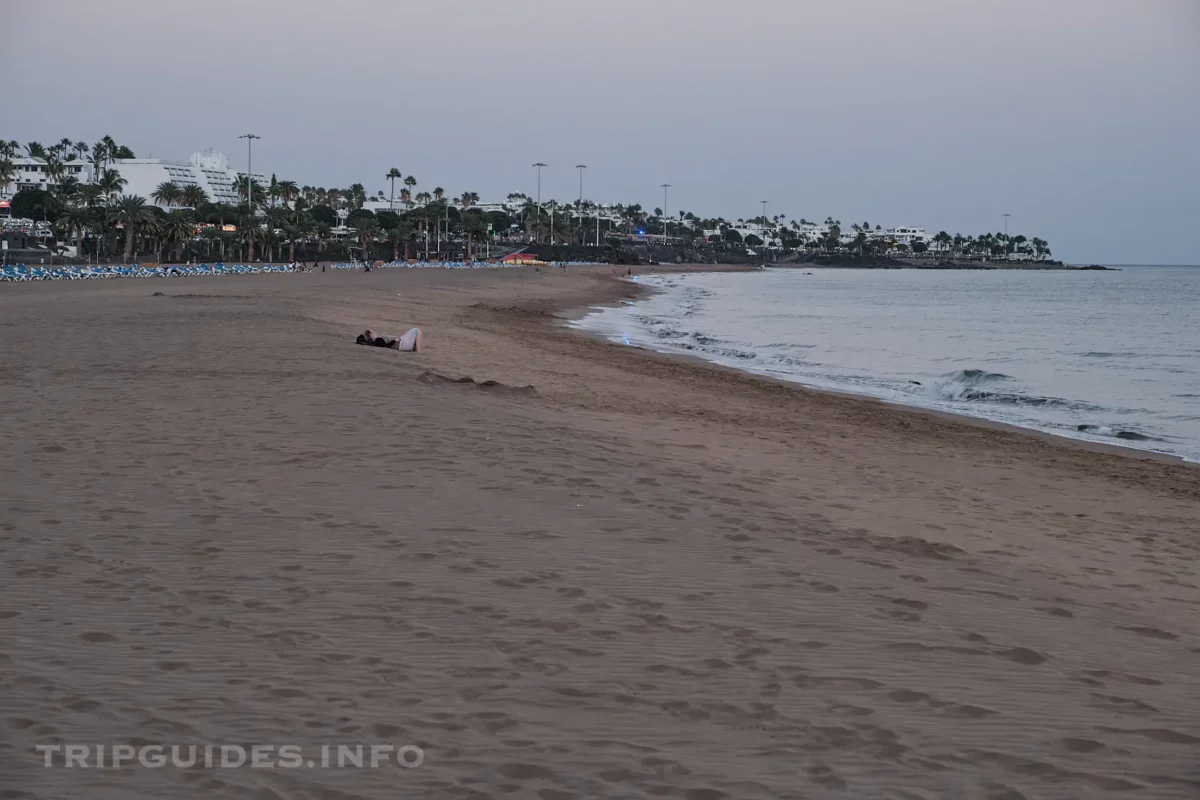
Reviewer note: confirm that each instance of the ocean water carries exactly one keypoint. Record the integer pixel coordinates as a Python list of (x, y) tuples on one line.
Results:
[(1110, 357)]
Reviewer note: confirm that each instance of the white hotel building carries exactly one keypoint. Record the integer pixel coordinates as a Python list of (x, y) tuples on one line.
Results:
[(32, 173), (208, 170)]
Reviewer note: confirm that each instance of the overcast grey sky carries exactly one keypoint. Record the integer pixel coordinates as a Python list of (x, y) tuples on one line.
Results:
[(1078, 117)]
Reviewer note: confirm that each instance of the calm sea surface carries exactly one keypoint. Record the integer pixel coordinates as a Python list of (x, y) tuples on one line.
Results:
[(1106, 356)]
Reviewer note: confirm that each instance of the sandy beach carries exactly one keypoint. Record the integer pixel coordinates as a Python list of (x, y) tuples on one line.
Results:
[(589, 571)]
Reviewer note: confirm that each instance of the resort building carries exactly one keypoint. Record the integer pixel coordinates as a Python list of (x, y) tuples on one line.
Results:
[(35, 173), (908, 235), (766, 233), (208, 170)]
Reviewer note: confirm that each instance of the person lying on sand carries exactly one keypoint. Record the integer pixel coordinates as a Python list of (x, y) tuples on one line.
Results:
[(410, 341)]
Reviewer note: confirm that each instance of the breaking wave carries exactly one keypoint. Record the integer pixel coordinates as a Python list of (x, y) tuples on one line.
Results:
[(977, 385), (1115, 433)]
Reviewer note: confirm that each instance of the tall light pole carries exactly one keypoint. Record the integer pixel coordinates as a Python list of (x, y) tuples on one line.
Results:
[(1006, 216), (665, 187), (764, 225), (250, 137), (538, 167), (581, 168)]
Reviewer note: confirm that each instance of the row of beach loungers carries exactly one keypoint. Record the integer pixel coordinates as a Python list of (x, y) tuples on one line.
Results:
[(20, 273), (455, 264)]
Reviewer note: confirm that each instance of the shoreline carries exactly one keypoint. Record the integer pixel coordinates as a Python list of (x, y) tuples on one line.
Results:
[(577, 313)]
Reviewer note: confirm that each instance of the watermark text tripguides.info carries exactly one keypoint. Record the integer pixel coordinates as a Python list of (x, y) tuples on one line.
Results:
[(231, 756)]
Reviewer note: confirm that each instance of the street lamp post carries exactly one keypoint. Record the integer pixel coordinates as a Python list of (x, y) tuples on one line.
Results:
[(538, 166), (1006, 216), (764, 225), (665, 187), (250, 137), (581, 168)]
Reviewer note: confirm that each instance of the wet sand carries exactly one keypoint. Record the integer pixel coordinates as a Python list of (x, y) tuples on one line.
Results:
[(609, 574)]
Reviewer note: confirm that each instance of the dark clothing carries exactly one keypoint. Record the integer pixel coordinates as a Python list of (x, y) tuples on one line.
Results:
[(381, 341)]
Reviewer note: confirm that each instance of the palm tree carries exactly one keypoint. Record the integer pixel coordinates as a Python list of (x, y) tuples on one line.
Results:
[(90, 195), (365, 228), (358, 194), (228, 240), (178, 229), (54, 168), (223, 211), (67, 188), (541, 229), (288, 192), (131, 212), (860, 241), (35, 150), (193, 196), (473, 225), (268, 238), (406, 198), (97, 159), (247, 186), (296, 226), (439, 193), (74, 219), (392, 175), (290, 232), (1018, 243), (210, 234), (167, 193), (833, 238), (247, 226), (528, 215), (8, 172), (399, 235), (111, 183)]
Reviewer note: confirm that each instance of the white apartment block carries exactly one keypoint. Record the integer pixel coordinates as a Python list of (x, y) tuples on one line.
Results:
[(208, 170), (908, 235), (34, 173)]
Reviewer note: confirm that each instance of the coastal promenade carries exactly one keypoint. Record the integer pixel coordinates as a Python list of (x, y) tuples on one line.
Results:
[(561, 567)]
